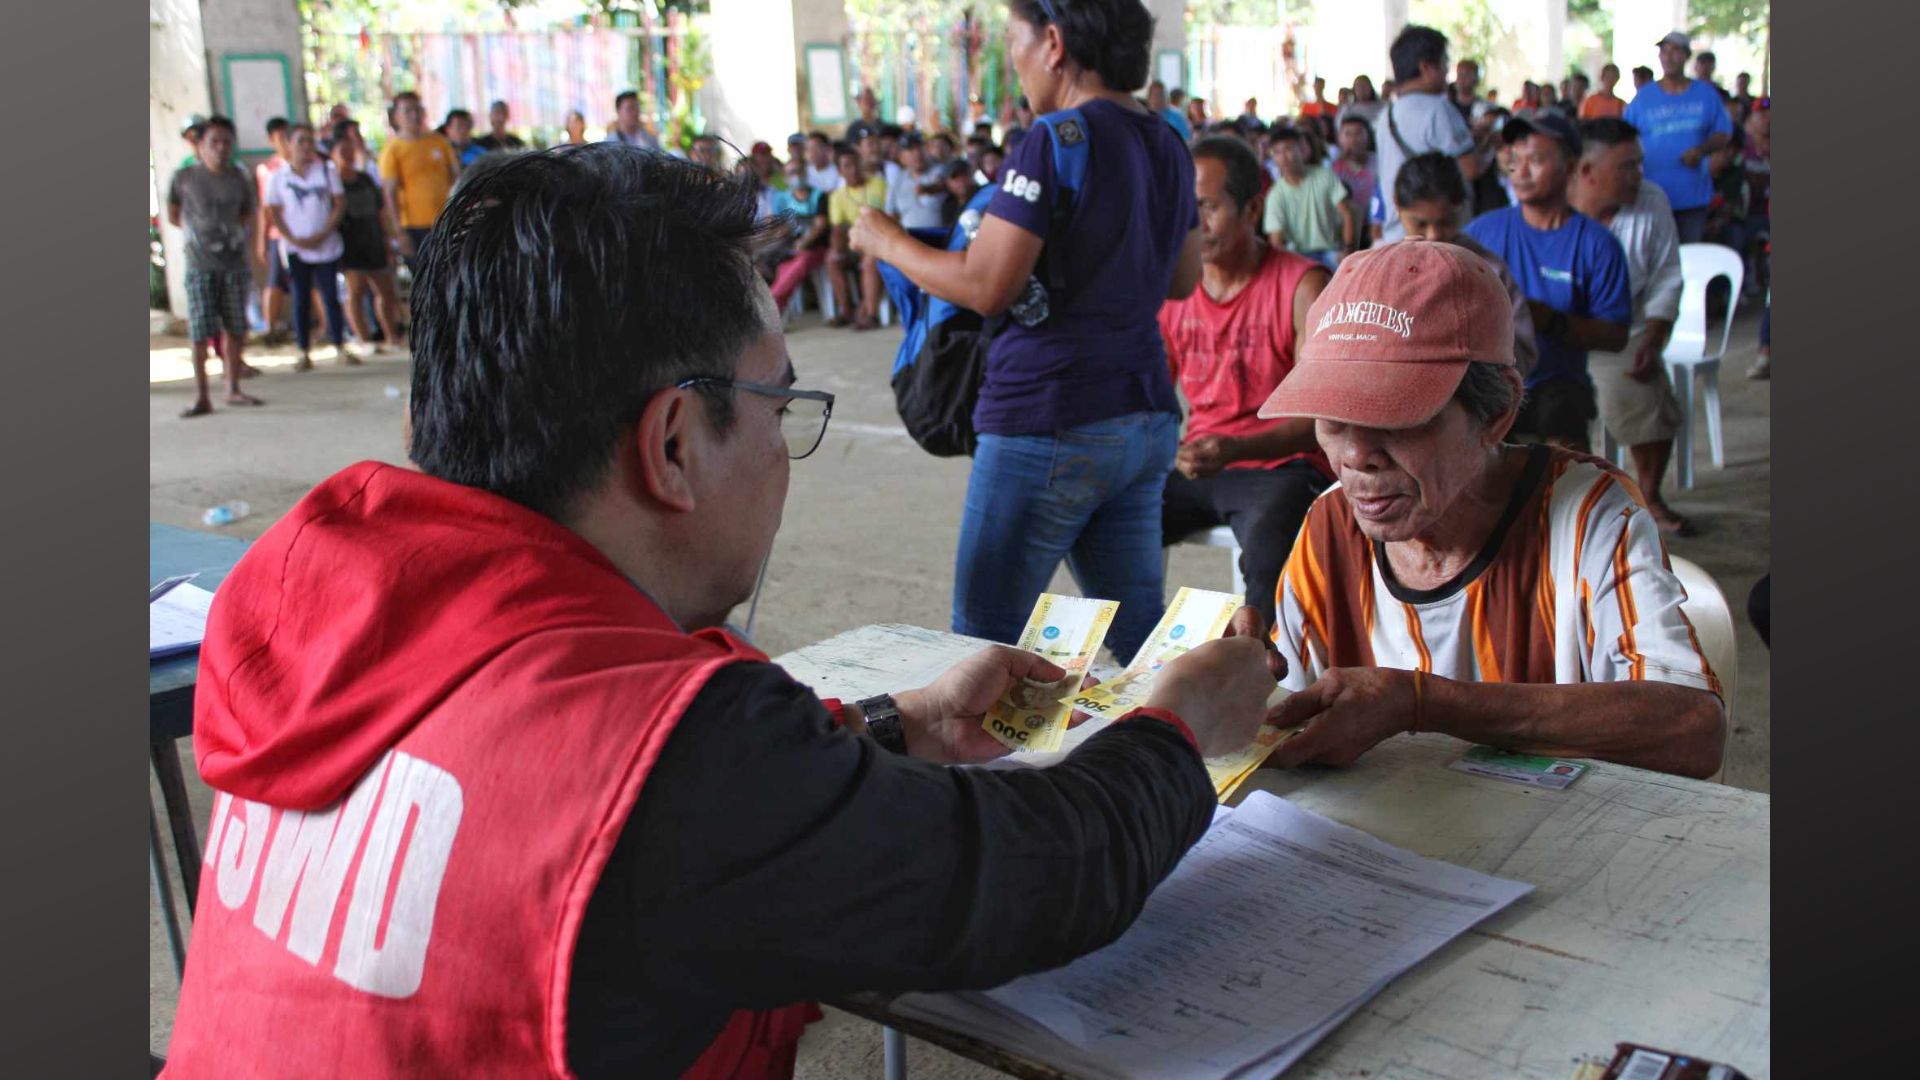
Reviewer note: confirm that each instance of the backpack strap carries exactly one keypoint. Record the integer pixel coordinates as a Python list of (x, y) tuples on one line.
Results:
[(1067, 129)]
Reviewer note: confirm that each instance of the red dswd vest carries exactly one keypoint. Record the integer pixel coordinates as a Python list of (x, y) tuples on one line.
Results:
[(427, 713)]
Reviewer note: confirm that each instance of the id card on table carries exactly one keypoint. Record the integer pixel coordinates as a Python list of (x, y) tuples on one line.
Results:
[(1542, 772)]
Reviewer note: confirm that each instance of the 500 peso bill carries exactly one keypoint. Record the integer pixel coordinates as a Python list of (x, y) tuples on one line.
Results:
[(1067, 630), (1195, 616)]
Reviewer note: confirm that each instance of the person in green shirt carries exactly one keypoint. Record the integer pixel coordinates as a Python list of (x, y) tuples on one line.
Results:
[(1308, 209)]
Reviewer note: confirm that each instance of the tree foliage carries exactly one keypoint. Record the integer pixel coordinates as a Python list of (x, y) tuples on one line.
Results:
[(1744, 19)]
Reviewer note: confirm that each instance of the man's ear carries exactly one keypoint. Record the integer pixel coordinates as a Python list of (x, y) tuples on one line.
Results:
[(1500, 425), (660, 443)]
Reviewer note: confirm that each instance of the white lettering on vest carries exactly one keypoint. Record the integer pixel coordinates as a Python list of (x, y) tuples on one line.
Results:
[(392, 964), (419, 806), (311, 852), (240, 848)]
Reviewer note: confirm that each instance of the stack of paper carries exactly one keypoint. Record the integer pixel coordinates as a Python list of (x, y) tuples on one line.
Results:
[(177, 621), (1274, 929)]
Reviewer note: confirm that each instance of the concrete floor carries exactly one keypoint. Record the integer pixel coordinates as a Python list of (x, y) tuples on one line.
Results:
[(868, 537)]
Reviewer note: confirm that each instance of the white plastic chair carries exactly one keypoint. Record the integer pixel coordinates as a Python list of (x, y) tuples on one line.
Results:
[(1217, 537), (1706, 608), (1691, 356)]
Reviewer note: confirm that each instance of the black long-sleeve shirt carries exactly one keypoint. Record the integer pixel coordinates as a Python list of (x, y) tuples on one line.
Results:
[(773, 858)]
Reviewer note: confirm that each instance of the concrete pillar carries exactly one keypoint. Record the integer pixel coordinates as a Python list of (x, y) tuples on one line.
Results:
[(235, 28), (177, 88), (758, 89), (1169, 37)]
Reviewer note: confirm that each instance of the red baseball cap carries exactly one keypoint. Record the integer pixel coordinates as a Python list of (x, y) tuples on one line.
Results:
[(1390, 337)]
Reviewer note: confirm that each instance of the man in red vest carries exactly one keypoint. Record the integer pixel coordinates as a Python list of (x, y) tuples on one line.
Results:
[(495, 794)]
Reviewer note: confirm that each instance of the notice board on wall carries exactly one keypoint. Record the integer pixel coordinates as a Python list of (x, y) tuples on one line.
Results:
[(258, 87), (827, 84)]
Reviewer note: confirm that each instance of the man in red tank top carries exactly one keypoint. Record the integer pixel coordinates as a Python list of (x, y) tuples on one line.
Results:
[(496, 795), (1230, 344)]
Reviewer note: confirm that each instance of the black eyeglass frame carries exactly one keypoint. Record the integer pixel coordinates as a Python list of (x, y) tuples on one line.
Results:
[(767, 390)]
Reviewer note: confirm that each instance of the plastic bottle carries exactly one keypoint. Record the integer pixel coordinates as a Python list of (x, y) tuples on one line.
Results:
[(227, 513)]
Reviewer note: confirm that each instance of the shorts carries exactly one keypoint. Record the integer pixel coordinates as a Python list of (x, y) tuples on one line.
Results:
[(279, 278), (364, 258), (216, 299), (1634, 413), (1561, 410)]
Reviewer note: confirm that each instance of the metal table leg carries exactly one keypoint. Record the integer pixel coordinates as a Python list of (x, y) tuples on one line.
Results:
[(893, 1047), (173, 792), (163, 888)]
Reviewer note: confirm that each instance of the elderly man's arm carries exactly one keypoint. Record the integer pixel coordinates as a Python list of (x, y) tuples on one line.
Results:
[(1649, 725)]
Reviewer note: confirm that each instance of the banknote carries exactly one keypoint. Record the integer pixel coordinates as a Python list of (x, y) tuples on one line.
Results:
[(1229, 771), (1067, 630), (1195, 616)]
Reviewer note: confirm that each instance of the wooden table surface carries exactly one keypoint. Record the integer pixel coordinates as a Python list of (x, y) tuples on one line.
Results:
[(1649, 920)]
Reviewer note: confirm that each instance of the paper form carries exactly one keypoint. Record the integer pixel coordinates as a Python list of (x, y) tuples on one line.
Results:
[(177, 621), (1276, 926)]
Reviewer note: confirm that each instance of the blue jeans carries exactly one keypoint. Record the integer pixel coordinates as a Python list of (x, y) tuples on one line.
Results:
[(1090, 495)]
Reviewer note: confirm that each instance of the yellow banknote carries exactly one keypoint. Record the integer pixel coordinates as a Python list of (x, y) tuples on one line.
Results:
[(1229, 771), (1067, 630), (1195, 616)]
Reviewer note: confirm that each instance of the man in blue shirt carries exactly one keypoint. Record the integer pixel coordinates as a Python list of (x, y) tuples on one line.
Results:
[(1572, 270), (1158, 102), (1682, 122)]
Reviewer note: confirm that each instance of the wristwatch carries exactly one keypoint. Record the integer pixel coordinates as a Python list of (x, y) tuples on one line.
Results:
[(883, 722)]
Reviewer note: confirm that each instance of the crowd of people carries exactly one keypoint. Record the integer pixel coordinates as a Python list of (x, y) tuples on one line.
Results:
[(1387, 398)]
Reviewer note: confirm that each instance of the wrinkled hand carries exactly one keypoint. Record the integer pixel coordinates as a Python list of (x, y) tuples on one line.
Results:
[(1691, 157), (1202, 457), (1347, 712), (942, 719), (1219, 690), (871, 231), (1248, 622)]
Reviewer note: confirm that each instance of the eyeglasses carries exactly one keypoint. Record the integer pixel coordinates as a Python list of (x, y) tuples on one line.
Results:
[(803, 419)]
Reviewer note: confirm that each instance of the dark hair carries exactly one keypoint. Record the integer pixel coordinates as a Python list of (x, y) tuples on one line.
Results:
[(557, 294), (841, 150), (942, 136), (1243, 169), (496, 104), (980, 141), (1176, 95), (1288, 133), (1610, 64), (1112, 38), (891, 131), (1706, 55), (457, 114), (624, 95), (1434, 175), (1486, 391), (1414, 46), (821, 136), (1021, 103), (341, 129), (1581, 77), (1606, 133), (277, 124), (217, 121), (1644, 68), (295, 129)]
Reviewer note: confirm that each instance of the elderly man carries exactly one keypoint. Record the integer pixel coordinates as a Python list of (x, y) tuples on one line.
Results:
[(524, 809), (1637, 406), (1515, 596)]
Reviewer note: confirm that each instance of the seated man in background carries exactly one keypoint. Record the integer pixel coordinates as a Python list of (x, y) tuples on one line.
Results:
[(602, 836), (857, 188), (1637, 406), (1514, 596), (1229, 344)]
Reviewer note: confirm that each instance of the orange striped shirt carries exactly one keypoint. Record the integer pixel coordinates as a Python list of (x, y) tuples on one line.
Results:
[(1572, 586)]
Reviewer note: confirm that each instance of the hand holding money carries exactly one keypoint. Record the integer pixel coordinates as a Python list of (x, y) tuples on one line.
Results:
[(1220, 690), (1247, 622), (942, 720)]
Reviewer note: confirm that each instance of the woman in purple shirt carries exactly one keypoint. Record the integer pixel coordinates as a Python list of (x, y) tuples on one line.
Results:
[(1078, 419)]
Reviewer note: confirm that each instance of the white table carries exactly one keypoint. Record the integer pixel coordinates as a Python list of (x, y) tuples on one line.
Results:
[(1649, 921)]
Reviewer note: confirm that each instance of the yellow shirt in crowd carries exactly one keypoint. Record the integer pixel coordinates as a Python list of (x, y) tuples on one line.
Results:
[(843, 205), (424, 170)]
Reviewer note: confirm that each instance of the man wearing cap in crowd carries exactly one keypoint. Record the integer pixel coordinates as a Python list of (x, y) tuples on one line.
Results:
[(1574, 274), (917, 193), (1681, 122), (1512, 596)]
